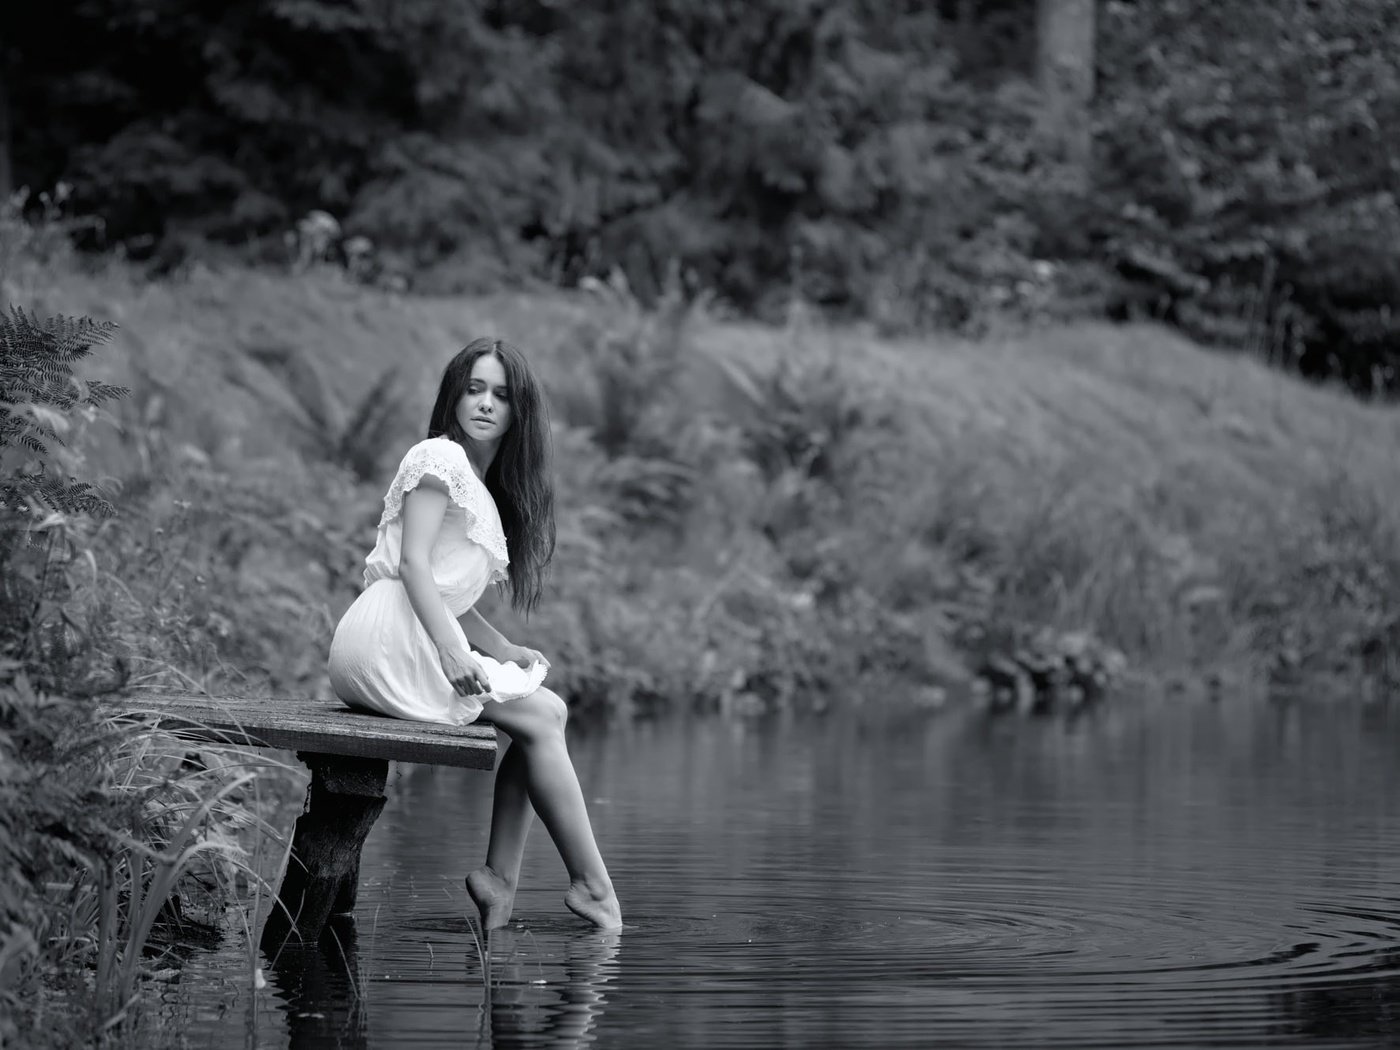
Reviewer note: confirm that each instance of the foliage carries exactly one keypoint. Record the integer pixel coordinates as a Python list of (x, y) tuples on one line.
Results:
[(37, 393), (43, 507), (625, 388), (1333, 616), (35, 230), (50, 780), (371, 426), (103, 828), (1245, 183), (879, 159), (803, 415), (836, 518), (771, 149), (628, 369), (112, 836)]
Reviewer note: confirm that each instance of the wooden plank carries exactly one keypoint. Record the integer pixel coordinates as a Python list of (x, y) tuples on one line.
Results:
[(325, 726)]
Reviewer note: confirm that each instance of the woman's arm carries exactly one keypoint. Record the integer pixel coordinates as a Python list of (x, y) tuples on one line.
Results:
[(487, 637), (497, 644), (423, 509)]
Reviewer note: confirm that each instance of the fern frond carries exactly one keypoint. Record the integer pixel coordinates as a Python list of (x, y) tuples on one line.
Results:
[(36, 369), (80, 497), (29, 441), (67, 497), (100, 393), (37, 390), (74, 337)]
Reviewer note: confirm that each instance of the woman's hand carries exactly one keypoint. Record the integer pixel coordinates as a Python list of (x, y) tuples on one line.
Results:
[(466, 675), (522, 655)]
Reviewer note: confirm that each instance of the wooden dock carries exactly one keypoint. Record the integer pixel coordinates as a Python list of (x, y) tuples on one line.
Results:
[(348, 753), (325, 727)]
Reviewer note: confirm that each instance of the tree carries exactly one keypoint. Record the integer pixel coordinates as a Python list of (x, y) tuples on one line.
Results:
[(7, 178), (1065, 73), (1247, 157)]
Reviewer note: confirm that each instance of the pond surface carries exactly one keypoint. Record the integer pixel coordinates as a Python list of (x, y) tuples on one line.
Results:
[(1183, 875)]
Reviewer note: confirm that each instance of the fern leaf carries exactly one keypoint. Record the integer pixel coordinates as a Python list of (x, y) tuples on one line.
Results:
[(100, 393), (37, 391)]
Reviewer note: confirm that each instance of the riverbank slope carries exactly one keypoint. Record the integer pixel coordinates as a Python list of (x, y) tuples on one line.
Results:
[(751, 517)]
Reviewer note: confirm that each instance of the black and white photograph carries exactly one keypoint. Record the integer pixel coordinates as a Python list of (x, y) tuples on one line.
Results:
[(699, 524)]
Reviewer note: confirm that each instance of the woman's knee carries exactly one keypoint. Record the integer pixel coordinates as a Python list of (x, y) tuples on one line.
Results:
[(554, 705), (540, 716)]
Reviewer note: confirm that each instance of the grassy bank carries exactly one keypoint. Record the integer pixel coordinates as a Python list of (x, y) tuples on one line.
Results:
[(753, 516)]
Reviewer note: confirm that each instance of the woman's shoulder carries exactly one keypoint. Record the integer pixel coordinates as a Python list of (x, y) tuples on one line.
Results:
[(441, 458), (438, 450)]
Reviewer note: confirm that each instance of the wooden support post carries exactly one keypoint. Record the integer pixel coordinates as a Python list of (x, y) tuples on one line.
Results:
[(323, 871)]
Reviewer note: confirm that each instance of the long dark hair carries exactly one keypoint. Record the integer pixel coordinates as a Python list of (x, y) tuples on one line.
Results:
[(519, 478)]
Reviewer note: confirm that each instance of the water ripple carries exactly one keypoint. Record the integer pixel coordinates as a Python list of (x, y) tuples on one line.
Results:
[(1177, 881)]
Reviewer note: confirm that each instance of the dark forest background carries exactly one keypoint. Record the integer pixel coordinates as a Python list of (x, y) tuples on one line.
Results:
[(1230, 168)]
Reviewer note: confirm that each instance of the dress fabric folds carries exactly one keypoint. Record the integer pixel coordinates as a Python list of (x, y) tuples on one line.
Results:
[(381, 658)]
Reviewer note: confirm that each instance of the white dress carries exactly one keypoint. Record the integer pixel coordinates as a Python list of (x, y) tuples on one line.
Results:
[(381, 658)]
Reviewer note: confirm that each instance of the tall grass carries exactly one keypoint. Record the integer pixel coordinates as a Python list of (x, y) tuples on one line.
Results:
[(121, 845)]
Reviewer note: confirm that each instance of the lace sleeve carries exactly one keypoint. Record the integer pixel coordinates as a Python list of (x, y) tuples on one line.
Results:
[(445, 461)]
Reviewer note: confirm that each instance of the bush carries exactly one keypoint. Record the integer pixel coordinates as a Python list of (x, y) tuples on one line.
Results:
[(42, 505), (1331, 620), (101, 822)]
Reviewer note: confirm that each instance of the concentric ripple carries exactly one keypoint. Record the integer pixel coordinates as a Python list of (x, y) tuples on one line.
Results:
[(1184, 877)]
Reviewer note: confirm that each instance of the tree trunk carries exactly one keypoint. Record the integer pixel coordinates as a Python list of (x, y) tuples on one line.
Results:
[(1065, 71), (966, 33), (7, 175)]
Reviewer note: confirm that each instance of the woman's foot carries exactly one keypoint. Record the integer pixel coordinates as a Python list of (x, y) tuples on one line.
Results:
[(494, 897), (596, 903)]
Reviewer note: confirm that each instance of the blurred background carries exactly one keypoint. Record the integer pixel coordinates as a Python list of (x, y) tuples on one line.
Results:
[(983, 363)]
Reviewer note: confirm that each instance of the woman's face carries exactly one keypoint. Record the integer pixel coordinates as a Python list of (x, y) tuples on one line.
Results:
[(484, 411)]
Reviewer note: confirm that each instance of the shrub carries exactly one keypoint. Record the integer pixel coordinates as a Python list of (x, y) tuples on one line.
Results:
[(624, 385), (99, 822), (42, 505), (1331, 619), (802, 415)]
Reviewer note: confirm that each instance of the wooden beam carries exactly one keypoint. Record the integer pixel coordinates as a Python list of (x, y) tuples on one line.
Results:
[(323, 871), (326, 727)]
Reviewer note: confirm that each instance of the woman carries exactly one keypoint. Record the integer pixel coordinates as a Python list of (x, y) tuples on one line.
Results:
[(472, 505)]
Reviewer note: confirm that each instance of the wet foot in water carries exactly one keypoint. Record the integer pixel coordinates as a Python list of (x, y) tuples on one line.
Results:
[(494, 897), (597, 904)]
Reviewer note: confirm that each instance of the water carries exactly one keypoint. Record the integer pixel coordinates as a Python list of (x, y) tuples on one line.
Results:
[(1164, 875)]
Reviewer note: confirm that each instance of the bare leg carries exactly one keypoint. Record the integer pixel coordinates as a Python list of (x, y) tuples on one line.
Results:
[(493, 885), (536, 727)]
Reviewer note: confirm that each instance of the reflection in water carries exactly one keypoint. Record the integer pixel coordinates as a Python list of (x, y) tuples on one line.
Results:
[(1180, 875), (546, 990), (1361, 1010), (321, 987), (530, 1011)]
